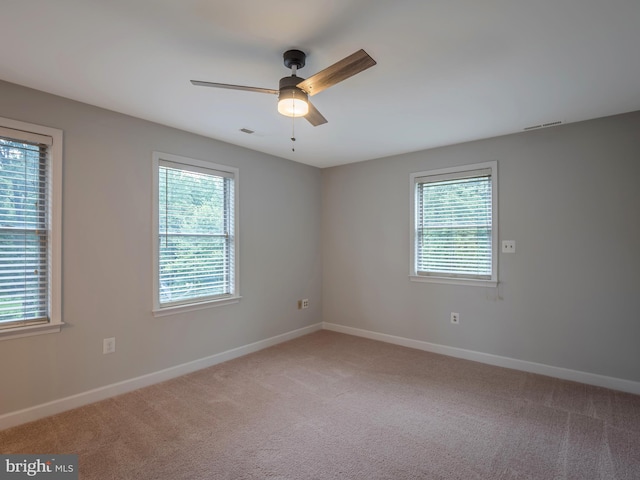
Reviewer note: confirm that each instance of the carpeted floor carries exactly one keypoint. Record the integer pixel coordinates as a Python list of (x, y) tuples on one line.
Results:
[(333, 406)]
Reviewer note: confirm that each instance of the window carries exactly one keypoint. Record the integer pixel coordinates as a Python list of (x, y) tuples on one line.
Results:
[(195, 244), (30, 220), (454, 225)]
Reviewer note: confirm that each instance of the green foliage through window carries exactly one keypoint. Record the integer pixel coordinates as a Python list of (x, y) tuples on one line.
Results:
[(454, 226), (23, 232), (195, 234)]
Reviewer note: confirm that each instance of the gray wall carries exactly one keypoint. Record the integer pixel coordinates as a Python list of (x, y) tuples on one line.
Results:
[(570, 295), (107, 258)]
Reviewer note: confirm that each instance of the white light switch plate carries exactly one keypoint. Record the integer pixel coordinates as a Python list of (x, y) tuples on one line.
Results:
[(108, 345)]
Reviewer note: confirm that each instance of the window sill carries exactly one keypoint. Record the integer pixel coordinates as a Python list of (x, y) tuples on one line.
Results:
[(175, 309), (31, 330), (454, 281)]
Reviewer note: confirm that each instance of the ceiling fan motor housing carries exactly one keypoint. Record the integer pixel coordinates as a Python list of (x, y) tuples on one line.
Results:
[(290, 82), (288, 88)]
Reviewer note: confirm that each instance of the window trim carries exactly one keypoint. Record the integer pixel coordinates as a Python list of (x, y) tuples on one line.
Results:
[(455, 172), (54, 165), (192, 164)]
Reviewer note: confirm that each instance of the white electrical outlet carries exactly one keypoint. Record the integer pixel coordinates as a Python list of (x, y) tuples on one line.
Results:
[(302, 304), (109, 345), (508, 246), (455, 318)]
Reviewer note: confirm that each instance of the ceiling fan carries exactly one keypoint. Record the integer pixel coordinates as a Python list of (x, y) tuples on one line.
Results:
[(294, 91)]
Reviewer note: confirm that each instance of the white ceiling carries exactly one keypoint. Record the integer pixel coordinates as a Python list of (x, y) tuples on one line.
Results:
[(448, 71)]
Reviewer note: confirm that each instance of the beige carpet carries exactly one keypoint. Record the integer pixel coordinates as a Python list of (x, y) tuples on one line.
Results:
[(333, 406)]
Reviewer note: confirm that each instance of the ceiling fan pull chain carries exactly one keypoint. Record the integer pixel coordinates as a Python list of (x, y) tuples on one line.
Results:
[(293, 129)]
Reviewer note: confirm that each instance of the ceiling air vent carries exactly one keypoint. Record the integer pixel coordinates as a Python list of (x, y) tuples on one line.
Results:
[(543, 125), (246, 130)]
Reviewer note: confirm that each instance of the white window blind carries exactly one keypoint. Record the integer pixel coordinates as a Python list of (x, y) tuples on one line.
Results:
[(24, 228), (454, 225), (196, 251)]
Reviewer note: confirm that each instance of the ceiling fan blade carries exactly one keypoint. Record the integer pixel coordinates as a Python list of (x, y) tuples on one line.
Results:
[(339, 71), (200, 83), (314, 117)]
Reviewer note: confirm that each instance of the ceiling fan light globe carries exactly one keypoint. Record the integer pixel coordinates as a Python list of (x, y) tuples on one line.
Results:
[(293, 107), (292, 102)]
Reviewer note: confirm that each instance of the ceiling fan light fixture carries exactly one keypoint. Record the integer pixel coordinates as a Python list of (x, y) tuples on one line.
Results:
[(294, 91), (293, 102)]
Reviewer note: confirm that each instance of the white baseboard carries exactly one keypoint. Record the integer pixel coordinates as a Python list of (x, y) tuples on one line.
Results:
[(57, 406), (507, 362)]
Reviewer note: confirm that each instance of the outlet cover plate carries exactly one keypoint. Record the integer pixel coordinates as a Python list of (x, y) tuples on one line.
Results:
[(508, 246)]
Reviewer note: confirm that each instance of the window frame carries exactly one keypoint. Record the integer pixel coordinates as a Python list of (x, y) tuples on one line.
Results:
[(192, 164), (454, 172), (54, 159)]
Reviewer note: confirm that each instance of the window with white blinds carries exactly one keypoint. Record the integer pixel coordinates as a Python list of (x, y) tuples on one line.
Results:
[(27, 241), (454, 227), (196, 237)]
